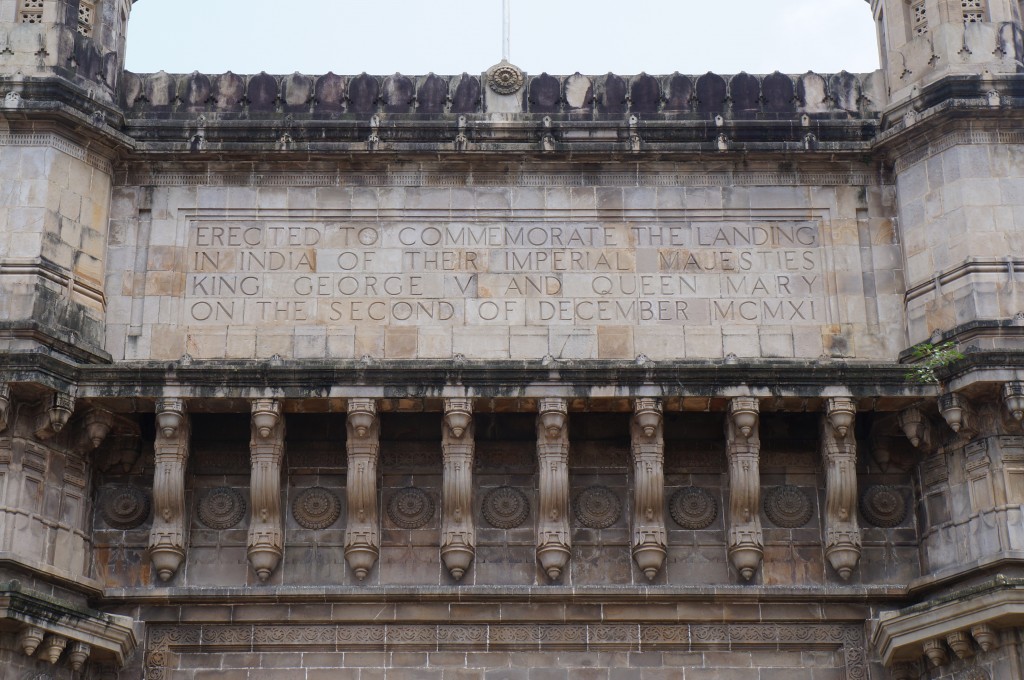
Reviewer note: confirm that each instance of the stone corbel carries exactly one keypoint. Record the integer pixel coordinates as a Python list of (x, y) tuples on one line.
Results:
[(958, 413), (650, 539), (458, 535), (1013, 398), (915, 425), (167, 536), (266, 450), (743, 449), (55, 415), (97, 425), (553, 538), (839, 449), (5, 405), (362, 534)]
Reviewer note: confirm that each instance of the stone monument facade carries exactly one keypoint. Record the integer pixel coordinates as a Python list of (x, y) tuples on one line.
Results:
[(512, 376)]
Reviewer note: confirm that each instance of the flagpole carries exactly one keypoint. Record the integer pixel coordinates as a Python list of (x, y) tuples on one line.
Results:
[(506, 29)]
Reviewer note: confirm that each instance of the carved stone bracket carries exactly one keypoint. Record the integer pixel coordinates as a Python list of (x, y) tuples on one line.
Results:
[(167, 536), (55, 415), (97, 425), (1013, 397), (266, 450), (5, 405), (958, 413), (839, 449), (650, 539), (743, 448), (915, 425), (458, 535), (553, 538), (362, 534)]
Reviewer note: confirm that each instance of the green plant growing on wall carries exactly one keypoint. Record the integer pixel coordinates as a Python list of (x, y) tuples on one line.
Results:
[(931, 357)]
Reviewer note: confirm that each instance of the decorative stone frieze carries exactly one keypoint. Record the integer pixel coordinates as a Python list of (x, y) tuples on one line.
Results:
[(316, 508), (362, 533), (505, 508), (171, 449), (743, 448), (266, 450), (458, 446), (839, 451), (693, 508), (650, 539), (55, 415), (553, 534)]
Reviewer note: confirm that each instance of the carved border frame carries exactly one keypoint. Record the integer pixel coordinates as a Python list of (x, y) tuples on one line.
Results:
[(165, 641)]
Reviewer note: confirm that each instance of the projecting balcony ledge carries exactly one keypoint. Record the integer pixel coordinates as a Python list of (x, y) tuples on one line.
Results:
[(904, 635)]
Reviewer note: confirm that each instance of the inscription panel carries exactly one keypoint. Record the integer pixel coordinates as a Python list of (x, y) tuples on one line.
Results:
[(706, 272)]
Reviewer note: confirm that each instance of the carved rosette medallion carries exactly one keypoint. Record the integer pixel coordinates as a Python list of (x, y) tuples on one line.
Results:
[(222, 508), (505, 508), (411, 508), (597, 507), (504, 78), (693, 508), (883, 506), (125, 507), (788, 507), (316, 508)]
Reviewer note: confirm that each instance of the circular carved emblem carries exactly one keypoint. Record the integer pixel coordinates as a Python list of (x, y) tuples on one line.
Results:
[(505, 507), (505, 78), (788, 507), (597, 507), (221, 508), (411, 508), (316, 508), (125, 507), (883, 506), (693, 508)]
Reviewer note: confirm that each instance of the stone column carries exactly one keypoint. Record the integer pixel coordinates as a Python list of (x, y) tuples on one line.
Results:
[(743, 448), (553, 538), (458, 535), (167, 536), (839, 449), (650, 540), (362, 533), (266, 449)]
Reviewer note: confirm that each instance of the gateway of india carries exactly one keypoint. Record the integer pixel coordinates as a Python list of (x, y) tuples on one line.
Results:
[(512, 376)]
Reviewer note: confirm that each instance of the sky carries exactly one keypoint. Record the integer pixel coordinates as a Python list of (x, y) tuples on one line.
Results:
[(562, 37)]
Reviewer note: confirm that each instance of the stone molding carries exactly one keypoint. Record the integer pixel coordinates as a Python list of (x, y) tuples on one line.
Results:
[(62, 278), (951, 139), (65, 146), (1008, 269), (341, 178), (164, 641)]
